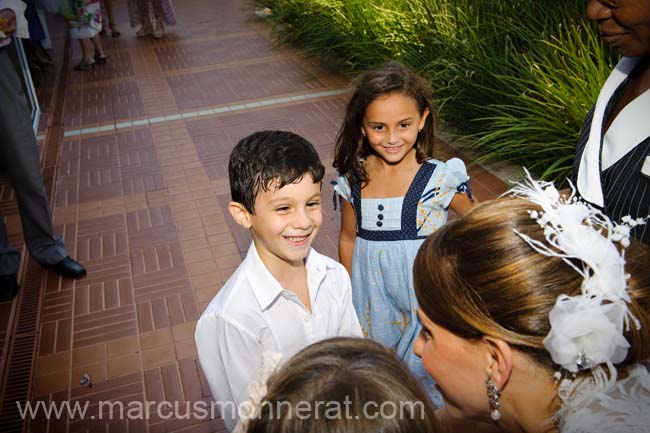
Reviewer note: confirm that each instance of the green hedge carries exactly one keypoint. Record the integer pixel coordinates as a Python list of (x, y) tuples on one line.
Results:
[(515, 76)]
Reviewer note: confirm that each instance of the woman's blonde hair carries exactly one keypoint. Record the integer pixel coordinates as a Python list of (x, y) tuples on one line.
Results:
[(357, 371), (476, 277)]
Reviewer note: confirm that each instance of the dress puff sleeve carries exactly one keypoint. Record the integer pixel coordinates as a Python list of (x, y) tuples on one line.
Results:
[(342, 189), (453, 178)]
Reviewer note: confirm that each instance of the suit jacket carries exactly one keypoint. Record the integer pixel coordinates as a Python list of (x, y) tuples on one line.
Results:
[(626, 189)]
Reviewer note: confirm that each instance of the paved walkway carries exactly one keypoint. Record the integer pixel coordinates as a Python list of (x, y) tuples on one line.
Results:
[(135, 154)]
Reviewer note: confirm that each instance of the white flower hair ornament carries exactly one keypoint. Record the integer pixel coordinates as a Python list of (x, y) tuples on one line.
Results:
[(587, 329), (257, 391)]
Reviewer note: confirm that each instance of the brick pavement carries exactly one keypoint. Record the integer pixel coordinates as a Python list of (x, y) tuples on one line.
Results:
[(140, 196)]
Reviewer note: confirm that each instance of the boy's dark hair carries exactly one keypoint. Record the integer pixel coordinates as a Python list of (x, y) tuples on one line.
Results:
[(351, 147), (270, 159)]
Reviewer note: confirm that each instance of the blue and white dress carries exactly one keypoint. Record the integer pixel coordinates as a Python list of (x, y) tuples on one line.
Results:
[(389, 234)]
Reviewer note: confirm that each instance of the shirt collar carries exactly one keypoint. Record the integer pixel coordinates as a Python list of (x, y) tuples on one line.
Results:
[(588, 182), (628, 129), (266, 288)]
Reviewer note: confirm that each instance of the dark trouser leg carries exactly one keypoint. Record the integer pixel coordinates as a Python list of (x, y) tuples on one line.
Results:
[(158, 12), (19, 159), (9, 258), (143, 9)]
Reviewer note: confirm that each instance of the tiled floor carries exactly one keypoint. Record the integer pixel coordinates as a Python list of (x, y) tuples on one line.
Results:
[(135, 153)]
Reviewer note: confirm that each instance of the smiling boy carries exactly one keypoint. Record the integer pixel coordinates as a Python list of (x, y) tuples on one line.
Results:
[(284, 295)]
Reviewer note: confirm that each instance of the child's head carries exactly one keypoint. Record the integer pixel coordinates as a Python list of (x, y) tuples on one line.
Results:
[(359, 134), (344, 385), (269, 160), (275, 180)]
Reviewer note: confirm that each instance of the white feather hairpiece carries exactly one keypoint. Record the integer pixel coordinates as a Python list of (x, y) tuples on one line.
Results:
[(587, 329), (257, 391)]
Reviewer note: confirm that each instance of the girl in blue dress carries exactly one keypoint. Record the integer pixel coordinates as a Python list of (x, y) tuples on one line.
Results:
[(394, 195)]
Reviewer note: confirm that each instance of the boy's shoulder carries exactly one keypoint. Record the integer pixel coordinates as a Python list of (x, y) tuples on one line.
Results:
[(330, 264), (329, 268), (235, 301), (251, 286)]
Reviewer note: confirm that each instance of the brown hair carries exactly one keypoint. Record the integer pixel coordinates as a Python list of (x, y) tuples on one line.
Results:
[(339, 370), (351, 147), (475, 276)]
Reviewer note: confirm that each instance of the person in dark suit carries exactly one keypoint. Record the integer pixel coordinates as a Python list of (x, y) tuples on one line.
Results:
[(612, 165), (19, 160)]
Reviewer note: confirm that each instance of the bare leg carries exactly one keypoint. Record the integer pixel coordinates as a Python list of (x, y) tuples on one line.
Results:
[(87, 61), (100, 56), (86, 50), (110, 20)]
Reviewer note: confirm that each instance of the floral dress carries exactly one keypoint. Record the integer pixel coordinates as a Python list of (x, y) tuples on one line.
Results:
[(83, 16), (389, 234)]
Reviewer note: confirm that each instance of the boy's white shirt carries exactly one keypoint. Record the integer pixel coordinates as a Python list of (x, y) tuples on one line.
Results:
[(252, 313)]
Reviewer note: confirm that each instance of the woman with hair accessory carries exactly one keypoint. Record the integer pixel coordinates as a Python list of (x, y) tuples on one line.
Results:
[(536, 315), (343, 385), (612, 165)]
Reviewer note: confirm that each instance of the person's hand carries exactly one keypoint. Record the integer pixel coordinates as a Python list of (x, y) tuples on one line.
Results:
[(7, 23)]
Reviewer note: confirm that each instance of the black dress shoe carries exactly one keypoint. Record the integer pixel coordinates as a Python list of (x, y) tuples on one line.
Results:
[(8, 287), (69, 268)]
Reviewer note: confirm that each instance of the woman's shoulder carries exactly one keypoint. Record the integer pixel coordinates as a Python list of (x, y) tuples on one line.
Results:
[(603, 406)]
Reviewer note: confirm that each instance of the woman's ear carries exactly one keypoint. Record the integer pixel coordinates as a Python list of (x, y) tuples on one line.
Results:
[(499, 361), (240, 214)]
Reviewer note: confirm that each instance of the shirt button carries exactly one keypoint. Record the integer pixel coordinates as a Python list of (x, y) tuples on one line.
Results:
[(380, 216), (380, 207), (379, 224)]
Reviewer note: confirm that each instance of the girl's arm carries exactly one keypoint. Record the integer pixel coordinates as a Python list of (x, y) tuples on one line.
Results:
[(347, 235), (461, 203)]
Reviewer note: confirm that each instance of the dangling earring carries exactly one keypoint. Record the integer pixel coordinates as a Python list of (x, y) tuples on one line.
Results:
[(419, 130), (363, 132), (493, 396)]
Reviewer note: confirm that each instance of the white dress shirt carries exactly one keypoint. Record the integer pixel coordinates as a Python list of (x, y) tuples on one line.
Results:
[(18, 7), (253, 313)]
